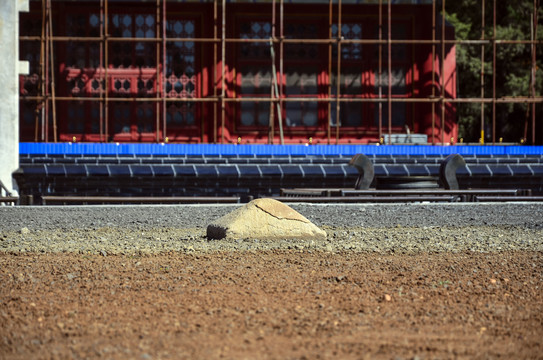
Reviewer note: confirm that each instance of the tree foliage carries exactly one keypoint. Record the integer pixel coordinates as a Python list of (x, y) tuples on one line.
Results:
[(513, 66)]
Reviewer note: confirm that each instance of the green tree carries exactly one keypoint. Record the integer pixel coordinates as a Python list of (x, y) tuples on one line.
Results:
[(513, 67)]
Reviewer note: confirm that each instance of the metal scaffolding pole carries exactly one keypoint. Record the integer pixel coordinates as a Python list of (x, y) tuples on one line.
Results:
[(51, 48), (443, 72), (482, 139), (389, 56), (47, 95), (215, 24), (338, 78), (157, 46), (329, 85), (40, 102), (106, 63), (534, 68), (281, 57), (289, 41), (101, 106), (502, 100), (274, 84), (223, 69), (434, 14), (45, 123), (380, 104), (494, 75), (163, 77), (271, 120)]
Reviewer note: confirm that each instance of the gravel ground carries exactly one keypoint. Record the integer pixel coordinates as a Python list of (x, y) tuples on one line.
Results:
[(409, 281), (529, 215), (388, 228)]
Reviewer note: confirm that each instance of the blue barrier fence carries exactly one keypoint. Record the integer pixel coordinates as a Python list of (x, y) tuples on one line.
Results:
[(268, 150)]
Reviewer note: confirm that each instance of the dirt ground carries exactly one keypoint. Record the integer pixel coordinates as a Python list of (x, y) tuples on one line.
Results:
[(276, 304)]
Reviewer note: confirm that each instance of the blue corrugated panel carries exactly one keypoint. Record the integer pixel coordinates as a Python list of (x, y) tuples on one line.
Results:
[(34, 170), (291, 170), (312, 171), (238, 160), (141, 170), (216, 160), (145, 160), (433, 170), (483, 160), (417, 170), (184, 170), (521, 170), (227, 171), (333, 171), (428, 160), (517, 150), (280, 160), (175, 160), (42, 160), (380, 170), (97, 170), (75, 170), (267, 150), (500, 170), (323, 161), (537, 169), (55, 170), (270, 170), (163, 170), (194, 160), (397, 170), (507, 160), (479, 170), (206, 170), (249, 171), (66, 160), (107, 160), (87, 160), (350, 171), (119, 170), (461, 171)]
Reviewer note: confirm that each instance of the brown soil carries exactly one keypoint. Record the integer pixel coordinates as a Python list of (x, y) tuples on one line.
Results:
[(277, 304)]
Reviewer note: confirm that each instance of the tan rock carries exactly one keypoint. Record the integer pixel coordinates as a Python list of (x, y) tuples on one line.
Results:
[(264, 219)]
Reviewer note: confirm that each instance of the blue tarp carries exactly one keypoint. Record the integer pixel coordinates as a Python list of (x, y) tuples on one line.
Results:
[(267, 150)]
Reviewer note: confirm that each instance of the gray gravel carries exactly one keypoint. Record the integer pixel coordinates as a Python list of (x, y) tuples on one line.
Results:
[(528, 215), (390, 228)]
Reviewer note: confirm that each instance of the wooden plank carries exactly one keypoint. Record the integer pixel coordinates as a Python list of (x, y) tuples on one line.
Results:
[(139, 199), (365, 199), (9, 199), (512, 192), (507, 198)]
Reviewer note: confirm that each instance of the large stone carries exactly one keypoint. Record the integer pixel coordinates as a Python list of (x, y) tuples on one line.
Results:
[(264, 219)]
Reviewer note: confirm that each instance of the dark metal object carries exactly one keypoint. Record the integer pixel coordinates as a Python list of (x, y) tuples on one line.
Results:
[(468, 195), (447, 175), (403, 186), (447, 171), (365, 168), (407, 195), (407, 182)]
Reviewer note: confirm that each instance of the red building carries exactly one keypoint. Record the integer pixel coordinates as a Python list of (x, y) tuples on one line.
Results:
[(206, 72)]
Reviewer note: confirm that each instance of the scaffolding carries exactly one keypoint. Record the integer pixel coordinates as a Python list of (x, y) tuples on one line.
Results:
[(47, 98)]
